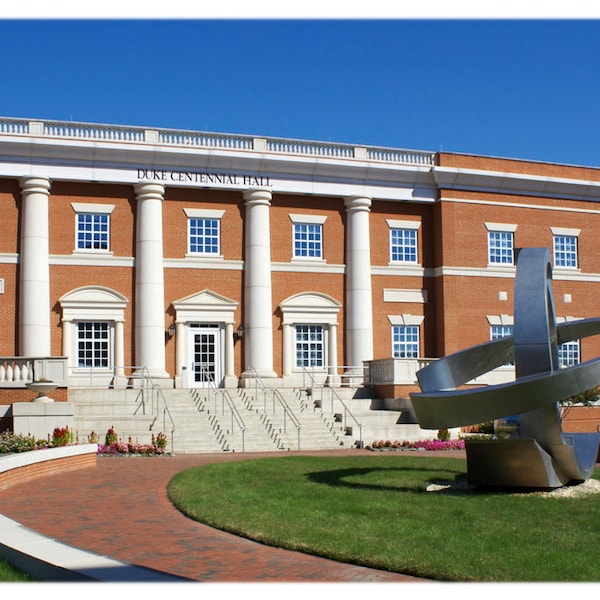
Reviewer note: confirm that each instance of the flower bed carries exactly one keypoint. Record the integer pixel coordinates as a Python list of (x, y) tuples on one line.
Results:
[(113, 446), (418, 445)]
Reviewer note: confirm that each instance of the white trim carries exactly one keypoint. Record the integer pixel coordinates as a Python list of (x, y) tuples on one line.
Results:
[(309, 219), (521, 205), (203, 213), (504, 320), (85, 207), (565, 231), (1, 286), (396, 224), (412, 296), (405, 319), (503, 227)]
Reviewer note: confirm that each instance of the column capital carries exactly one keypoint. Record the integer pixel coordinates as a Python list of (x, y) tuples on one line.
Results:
[(356, 203), (149, 191), (35, 184), (258, 196)]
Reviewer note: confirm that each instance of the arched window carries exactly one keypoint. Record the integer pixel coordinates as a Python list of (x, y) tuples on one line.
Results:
[(93, 341), (310, 338)]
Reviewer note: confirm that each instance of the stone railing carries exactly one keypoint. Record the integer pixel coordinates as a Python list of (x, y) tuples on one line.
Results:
[(18, 371), (168, 137), (395, 371), (403, 371)]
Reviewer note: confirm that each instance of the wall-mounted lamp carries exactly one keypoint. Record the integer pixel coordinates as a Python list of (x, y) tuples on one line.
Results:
[(240, 332), (171, 330)]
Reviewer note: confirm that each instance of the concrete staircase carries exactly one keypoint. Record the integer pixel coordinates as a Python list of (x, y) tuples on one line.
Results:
[(202, 420)]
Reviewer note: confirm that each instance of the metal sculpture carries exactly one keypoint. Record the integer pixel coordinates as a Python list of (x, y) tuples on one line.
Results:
[(536, 453)]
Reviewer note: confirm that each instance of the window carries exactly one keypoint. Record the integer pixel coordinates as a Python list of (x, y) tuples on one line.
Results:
[(93, 345), (403, 245), (310, 346), (565, 251), (500, 331), (568, 354), (500, 247), (92, 226), (405, 341), (308, 240), (92, 231), (403, 241), (204, 235)]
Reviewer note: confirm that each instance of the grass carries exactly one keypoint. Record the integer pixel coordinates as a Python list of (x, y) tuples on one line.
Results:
[(9, 574), (375, 511)]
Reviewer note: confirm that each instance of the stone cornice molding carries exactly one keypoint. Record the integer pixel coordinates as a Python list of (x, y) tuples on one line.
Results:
[(517, 184)]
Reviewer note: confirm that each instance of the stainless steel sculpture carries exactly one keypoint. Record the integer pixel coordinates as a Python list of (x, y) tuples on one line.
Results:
[(537, 453)]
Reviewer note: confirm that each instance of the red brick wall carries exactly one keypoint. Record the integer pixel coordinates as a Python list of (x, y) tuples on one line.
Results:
[(43, 469)]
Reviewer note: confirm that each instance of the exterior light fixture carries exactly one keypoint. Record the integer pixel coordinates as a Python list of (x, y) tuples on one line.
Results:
[(240, 332), (171, 330)]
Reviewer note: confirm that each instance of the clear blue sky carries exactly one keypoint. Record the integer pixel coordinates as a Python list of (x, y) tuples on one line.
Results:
[(516, 88)]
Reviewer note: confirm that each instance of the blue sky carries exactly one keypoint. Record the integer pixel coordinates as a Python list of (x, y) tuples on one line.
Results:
[(517, 88)]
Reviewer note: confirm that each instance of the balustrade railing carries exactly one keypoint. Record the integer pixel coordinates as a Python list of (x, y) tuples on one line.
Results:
[(170, 137), (18, 371)]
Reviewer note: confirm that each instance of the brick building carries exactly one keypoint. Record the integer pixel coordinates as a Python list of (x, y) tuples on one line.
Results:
[(201, 256)]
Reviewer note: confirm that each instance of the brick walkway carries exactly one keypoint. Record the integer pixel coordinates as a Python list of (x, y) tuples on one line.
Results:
[(120, 509)]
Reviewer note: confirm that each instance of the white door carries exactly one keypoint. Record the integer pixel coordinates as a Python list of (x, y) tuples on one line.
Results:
[(205, 356)]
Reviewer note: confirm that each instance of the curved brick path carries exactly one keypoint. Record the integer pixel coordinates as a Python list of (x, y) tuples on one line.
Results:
[(120, 509)]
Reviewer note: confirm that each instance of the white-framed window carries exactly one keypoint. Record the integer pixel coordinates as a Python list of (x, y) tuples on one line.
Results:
[(308, 240), (405, 341), (204, 232), (501, 243), (569, 354), (93, 345), (92, 227), (403, 245), (204, 236), (93, 334), (309, 334), (564, 242), (307, 234), (93, 231), (404, 241), (500, 331), (310, 346)]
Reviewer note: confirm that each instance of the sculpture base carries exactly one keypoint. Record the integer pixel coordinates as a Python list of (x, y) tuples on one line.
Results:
[(511, 463)]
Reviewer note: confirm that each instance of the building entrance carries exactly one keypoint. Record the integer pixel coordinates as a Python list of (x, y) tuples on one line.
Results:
[(205, 356)]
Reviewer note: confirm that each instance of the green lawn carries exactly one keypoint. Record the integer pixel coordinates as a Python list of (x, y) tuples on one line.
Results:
[(375, 511), (9, 574)]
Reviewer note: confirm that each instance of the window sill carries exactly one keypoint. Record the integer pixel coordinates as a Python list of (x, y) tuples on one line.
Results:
[(91, 252)]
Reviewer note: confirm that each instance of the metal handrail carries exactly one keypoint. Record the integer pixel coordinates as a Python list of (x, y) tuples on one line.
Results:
[(148, 390), (334, 396), (287, 411), (226, 398)]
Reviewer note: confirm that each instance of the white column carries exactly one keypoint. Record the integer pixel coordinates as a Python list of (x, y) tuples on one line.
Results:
[(34, 279), (180, 352), (67, 343), (333, 378), (359, 303), (258, 326), (119, 349), (288, 350), (230, 378), (149, 281)]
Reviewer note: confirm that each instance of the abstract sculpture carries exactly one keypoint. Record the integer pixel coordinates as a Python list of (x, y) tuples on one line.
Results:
[(537, 454)]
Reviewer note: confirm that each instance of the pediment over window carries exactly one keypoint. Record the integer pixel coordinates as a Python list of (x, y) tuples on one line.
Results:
[(310, 307), (92, 295), (205, 306), (95, 302)]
